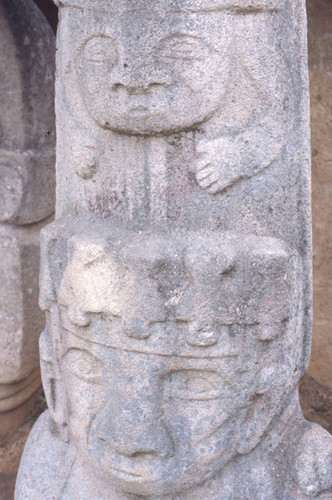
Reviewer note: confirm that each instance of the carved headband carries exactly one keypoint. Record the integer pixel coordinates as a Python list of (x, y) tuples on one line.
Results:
[(240, 6)]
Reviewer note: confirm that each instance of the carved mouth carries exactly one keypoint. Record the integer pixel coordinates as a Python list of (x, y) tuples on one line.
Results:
[(131, 476), (139, 110)]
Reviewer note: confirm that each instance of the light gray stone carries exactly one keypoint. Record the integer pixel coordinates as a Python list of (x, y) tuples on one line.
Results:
[(27, 192), (177, 275)]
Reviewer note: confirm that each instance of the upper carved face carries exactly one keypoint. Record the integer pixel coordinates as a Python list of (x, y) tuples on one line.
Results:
[(175, 359), (147, 73)]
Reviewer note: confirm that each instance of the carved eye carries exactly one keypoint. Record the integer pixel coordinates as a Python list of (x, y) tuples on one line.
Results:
[(195, 385), (83, 365), (183, 47), (101, 49)]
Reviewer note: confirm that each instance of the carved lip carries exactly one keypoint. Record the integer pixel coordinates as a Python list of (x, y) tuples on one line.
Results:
[(131, 476), (139, 110)]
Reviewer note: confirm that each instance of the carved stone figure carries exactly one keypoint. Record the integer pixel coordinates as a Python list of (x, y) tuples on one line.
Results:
[(176, 277), (27, 189)]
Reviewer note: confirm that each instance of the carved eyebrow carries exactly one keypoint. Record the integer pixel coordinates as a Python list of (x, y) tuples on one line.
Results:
[(183, 46), (188, 357)]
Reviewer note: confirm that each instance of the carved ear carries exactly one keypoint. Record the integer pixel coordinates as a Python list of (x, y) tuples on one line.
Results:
[(52, 383), (54, 257), (274, 385)]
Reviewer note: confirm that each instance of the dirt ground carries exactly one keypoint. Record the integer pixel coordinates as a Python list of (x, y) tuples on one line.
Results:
[(316, 402), (10, 453)]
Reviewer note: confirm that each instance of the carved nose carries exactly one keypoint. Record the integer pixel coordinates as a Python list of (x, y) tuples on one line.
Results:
[(136, 87), (137, 81), (132, 431), (145, 440)]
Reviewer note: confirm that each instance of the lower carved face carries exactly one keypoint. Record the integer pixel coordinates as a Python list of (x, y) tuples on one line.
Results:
[(151, 424), (147, 76), (199, 376)]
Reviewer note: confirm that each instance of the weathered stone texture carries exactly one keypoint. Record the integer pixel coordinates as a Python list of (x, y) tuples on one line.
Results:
[(27, 185), (177, 275), (320, 66)]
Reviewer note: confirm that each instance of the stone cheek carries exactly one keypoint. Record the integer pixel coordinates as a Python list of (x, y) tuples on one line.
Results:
[(176, 277), (27, 185)]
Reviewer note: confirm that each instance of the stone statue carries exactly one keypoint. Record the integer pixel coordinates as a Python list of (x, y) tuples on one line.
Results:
[(176, 277), (27, 192)]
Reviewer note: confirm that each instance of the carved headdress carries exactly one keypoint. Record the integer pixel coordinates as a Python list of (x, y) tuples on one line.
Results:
[(177, 5)]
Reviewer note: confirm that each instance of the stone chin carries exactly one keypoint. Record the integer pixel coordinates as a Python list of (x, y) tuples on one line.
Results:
[(146, 122), (147, 125), (151, 475), (154, 475), (169, 480)]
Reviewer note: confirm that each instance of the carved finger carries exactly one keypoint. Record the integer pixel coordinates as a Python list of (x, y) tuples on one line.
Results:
[(216, 187), (204, 174), (209, 180), (202, 166)]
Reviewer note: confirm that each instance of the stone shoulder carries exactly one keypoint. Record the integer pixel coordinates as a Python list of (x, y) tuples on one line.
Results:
[(44, 464), (313, 463)]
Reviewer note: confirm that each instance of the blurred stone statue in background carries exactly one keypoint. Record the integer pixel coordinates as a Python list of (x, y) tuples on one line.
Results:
[(27, 198)]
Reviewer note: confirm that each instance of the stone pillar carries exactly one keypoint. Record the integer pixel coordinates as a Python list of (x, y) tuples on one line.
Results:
[(27, 192), (177, 275)]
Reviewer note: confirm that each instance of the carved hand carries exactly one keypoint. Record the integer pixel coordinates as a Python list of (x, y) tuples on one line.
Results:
[(226, 160)]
